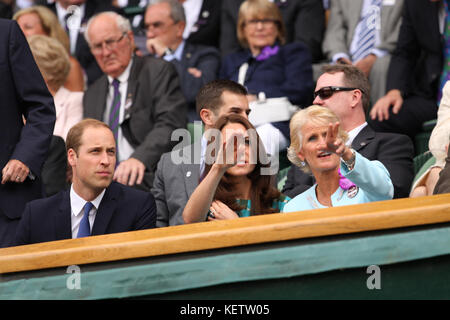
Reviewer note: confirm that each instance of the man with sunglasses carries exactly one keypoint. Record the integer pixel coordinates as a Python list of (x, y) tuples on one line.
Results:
[(346, 91), (139, 97)]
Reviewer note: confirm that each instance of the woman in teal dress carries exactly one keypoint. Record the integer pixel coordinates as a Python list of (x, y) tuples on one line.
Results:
[(343, 176), (238, 179)]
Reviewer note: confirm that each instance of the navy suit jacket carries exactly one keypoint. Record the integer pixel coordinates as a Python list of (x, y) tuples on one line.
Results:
[(121, 209), (204, 58), (394, 151), (23, 92)]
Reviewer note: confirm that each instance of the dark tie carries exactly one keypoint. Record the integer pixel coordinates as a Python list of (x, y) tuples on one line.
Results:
[(366, 39), (66, 21), (85, 228), (115, 110)]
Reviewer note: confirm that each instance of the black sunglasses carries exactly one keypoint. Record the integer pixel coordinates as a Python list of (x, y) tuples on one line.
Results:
[(326, 92)]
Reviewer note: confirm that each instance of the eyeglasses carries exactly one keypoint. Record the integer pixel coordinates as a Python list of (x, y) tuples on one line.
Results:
[(110, 44), (326, 92), (264, 22), (157, 26)]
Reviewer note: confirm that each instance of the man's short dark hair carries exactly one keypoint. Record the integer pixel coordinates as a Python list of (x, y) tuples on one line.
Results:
[(354, 78), (210, 95), (73, 140)]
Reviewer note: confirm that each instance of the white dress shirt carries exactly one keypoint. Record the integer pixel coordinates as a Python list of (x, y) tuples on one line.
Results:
[(77, 207), (125, 149), (192, 10), (75, 22), (353, 133)]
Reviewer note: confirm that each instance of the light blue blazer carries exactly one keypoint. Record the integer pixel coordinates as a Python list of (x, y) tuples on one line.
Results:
[(371, 178)]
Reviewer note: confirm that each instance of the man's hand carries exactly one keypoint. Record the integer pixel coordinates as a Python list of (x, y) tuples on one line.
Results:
[(15, 171), (392, 99), (196, 73), (156, 47), (366, 63), (130, 172)]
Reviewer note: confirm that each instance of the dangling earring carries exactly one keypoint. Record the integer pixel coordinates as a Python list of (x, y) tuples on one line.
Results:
[(302, 163)]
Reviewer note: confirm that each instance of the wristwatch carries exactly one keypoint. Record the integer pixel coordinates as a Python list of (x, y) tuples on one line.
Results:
[(350, 163)]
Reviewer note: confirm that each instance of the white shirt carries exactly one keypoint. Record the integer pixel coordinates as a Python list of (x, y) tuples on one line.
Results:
[(192, 11), (77, 204), (125, 150), (75, 22), (354, 132)]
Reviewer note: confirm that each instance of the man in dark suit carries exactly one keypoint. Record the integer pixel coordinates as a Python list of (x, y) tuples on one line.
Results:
[(140, 97), (179, 171), (94, 205), (23, 147), (346, 91), (196, 65), (304, 21), (73, 16), (206, 28), (414, 72)]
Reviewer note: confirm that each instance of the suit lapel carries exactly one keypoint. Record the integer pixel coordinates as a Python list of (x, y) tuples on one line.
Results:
[(364, 137), (63, 221), (190, 168), (106, 209), (133, 83)]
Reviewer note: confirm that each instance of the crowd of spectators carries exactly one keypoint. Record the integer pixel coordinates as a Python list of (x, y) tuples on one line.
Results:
[(342, 87)]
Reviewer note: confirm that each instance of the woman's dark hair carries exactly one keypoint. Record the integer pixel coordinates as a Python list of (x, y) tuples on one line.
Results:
[(263, 193)]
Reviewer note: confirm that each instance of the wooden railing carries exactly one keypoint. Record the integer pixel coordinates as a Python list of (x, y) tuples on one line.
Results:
[(220, 234)]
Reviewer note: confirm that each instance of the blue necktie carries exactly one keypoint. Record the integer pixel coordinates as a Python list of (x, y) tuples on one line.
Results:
[(366, 39), (85, 228)]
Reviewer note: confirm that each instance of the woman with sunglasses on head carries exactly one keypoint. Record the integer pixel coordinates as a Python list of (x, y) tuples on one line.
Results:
[(343, 176), (268, 67), (239, 182)]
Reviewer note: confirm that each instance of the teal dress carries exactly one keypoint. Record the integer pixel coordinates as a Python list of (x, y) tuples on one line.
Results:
[(277, 204)]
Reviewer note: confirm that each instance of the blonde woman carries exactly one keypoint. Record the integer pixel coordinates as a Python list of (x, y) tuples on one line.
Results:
[(343, 176), (53, 62), (41, 20)]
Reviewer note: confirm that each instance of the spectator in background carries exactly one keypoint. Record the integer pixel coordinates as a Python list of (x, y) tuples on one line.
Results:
[(196, 64), (53, 62), (179, 171), (364, 33), (304, 21), (73, 16), (24, 145), (414, 76), (345, 90), (343, 175), (202, 21), (268, 67), (438, 145), (94, 205), (41, 20), (140, 97), (235, 185)]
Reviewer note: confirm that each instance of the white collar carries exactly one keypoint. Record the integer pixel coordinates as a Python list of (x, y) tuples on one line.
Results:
[(354, 132), (123, 78), (77, 203)]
